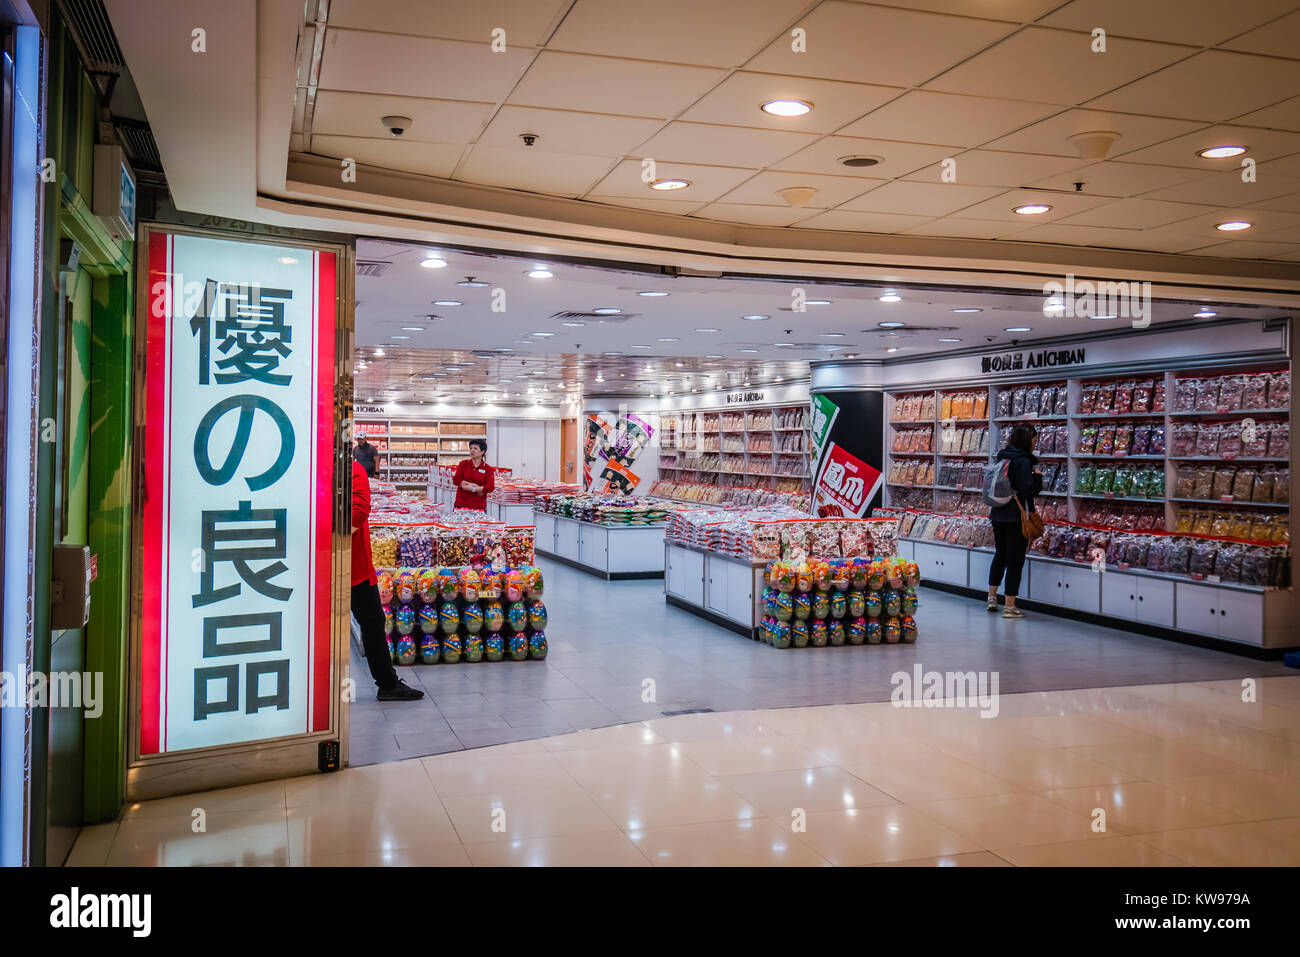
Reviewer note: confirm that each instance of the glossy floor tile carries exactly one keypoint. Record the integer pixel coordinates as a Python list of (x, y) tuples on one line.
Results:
[(1157, 775)]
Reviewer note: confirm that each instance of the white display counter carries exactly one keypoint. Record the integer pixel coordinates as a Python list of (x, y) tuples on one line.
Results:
[(609, 551), (724, 589), (510, 514), (1132, 599)]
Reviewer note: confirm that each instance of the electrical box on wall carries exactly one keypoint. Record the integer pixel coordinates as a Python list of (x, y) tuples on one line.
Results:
[(114, 192)]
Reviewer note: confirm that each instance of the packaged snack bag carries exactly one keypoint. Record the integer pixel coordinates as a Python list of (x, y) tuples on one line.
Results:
[(802, 605), (1223, 481), (389, 622), (857, 631), (452, 647), (784, 606), (799, 633), (1207, 440), (1142, 395), (893, 631), (428, 619), (537, 647), (835, 632), (794, 542), (821, 604), (514, 585), (1158, 396), (1279, 440), (839, 574), (491, 584), (1185, 391), (1157, 445), (385, 587), (1088, 440), (783, 635), (1279, 391), (517, 646), (468, 582), (494, 646), (1254, 392), (1124, 396), (1230, 392), (1004, 404), (874, 632), (817, 633), (404, 586), (1207, 395)]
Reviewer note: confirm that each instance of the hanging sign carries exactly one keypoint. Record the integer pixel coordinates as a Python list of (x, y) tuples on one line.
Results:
[(238, 487)]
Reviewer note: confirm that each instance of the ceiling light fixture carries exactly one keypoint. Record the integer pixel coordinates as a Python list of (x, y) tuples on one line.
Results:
[(379, 352), (668, 339), (652, 293), (1233, 226), (413, 328), (447, 302), (708, 330), (1205, 314), (543, 335), (831, 335), (433, 261), (892, 324), (816, 302), (787, 107), (949, 339), (606, 311), (663, 185), (1018, 329), (1032, 209), (755, 318), (469, 282), (892, 349), (968, 309), (1221, 152), (539, 271), (891, 296), (573, 325)]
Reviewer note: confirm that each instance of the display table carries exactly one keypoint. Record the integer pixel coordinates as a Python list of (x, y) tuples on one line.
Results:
[(722, 588), (1132, 599), (608, 551), (510, 514)]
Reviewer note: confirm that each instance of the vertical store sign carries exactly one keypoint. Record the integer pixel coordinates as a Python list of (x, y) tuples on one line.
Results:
[(848, 448), (238, 475)]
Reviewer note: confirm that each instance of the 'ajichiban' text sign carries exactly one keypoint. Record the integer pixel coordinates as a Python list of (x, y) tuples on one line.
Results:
[(1043, 359), (238, 470)]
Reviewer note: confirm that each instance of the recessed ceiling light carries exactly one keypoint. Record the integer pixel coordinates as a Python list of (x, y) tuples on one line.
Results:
[(668, 184), (778, 378), (949, 339), (539, 271), (708, 330), (851, 355), (713, 357), (1220, 152), (640, 346), (613, 353), (755, 318), (968, 310), (677, 364), (289, 260), (786, 107), (1205, 314), (606, 310), (507, 380), (1105, 317), (413, 328), (469, 282), (892, 324), (543, 335), (1018, 329), (652, 293), (783, 345), (379, 352), (1233, 226), (1032, 209), (399, 337), (447, 302), (431, 261), (748, 350), (831, 335), (858, 162), (892, 349), (816, 302), (573, 325), (891, 297), (668, 339)]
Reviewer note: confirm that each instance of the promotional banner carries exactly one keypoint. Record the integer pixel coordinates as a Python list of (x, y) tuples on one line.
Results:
[(238, 489), (610, 453), (848, 452)]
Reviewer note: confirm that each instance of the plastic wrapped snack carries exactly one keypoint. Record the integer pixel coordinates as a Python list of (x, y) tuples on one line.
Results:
[(794, 541), (1124, 396), (518, 545), (1279, 440), (1106, 440), (824, 540), (884, 539), (1204, 484), (1087, 440), (1279, 391), (1207, 441), (1207, 395), (455, 546), (1180, 551), (1185, 394), (1185, 437), (1223, 482), (384, 550), (1243, 484), (1123, 441), (1004, 404), (1230, 392), (1282, 487), (855, 539), (1201, 561), (1088, 398), (1047, 401), (1158, 555), (1142, 395), (1185, 482), (1085, 480)]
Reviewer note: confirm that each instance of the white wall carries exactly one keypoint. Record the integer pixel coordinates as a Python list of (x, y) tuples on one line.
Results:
[(528, 447)]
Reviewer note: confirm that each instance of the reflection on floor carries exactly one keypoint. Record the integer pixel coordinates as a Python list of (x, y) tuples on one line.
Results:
[(1169, 774), (606, 639)]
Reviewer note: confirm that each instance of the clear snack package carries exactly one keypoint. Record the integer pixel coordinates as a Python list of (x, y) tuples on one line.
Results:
[(1087, 440), (1185, 481), (1230, 392), (1158, 396), (1279, 440), (1142, 395), (1207, 395), (1185, 435), (1244, 485), (1047, 402), (1141, 441), (794, 541), (1124, 396), (1157, 443), (1223, 479), (1282, 487), (1279, 390), (1229, 440), (1087, 399), (1204, 487), (1060, 405), (1004, 404), (1180, 554), (1207, 441), (1201, 560), (1185, 391), (1106, 440), (1105, 400), (1124, 439), (1018, 401), (1254, 391)]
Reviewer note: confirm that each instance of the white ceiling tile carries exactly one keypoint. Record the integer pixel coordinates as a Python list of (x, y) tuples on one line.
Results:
[(1003, 206), (1278, 38), (1287, 204), (1269, 225), (1243, 250), (595, 84), (966, 229), (861, 222), (674, 31), (723, 145), (1261, 144), (905, 48), (1051, 136), (674, 206), (1280, 116), (434, 121), (708, 183), (526, 24), (921, 199), (1136, 214), (363, 62), (1212, 86), (762, 190), (996, 168), (1270, 230), (1201, 23), (408, 156), (564, 131), (1227, 189), (1288, 167), (1055, 66), (920, 116), (897, 158), (736, 101), (1116, 179), (754, 215), (1018, 11), (558, 174)]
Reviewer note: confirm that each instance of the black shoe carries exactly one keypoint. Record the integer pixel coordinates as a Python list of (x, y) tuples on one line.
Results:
[(400, 692)]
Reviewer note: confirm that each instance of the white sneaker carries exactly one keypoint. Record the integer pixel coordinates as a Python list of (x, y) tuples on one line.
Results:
[(1012, 613), (993, 604)]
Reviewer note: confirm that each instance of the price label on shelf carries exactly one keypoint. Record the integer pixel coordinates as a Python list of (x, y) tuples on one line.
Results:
[(1213, 579), (1110, 495), (1228, 499)]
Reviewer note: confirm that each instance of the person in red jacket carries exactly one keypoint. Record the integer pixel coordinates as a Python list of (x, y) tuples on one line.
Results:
[(366, 606), (473, 479)]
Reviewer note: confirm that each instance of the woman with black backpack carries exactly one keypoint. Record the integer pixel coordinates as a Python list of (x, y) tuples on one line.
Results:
[(1012, 521)]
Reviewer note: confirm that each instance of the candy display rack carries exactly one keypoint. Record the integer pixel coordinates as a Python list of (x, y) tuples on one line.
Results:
[(408, 447), (759, 447)]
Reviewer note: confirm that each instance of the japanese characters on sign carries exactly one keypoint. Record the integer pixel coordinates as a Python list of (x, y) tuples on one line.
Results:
[(238, 473), (846, 484)]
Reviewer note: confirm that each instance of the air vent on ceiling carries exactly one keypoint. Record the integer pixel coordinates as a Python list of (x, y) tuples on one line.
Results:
[(94, 34), (594, 317), (371, 268)]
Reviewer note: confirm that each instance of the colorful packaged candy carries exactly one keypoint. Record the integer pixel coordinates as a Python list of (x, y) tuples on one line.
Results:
[(388, 619), (534, 586), (404, 586), (860, 575), (452, 646), (893, 632), (472, 615), (909, 601), (385, 587), (803, 577), (874, 632), (857, 632), (469, 582), (536, 615), (821, 604), (537, 645), (778, 634), (839, 574), (875, 577), (782, 576), (517, 646), (392, 653), (473, 648), (494, 615), (430, 649), (835, 628), (427, 585), (494, 646), (857, 604), (448, 584), (405, 650), (449, 617), (514, 585), (893, 603), (405, 618), (907, 626), (783, 606), (874, 604), (817, 633), (802, 606), (490, 584), (428, 619), (839, 604), (517, 616), (799, 634)]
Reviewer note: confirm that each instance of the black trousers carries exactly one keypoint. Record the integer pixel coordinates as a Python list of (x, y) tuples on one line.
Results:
[(1009, 556), (369, 612)]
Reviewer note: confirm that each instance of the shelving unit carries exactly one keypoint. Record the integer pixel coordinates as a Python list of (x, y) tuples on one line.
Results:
[(409, 446), (751, 447)]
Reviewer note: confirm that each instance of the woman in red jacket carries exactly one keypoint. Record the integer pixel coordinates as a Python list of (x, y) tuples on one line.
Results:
[(366, 606), (473, 479)]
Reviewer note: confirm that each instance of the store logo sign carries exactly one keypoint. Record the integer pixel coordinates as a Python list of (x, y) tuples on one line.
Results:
[(1019, 361), (738, 397)]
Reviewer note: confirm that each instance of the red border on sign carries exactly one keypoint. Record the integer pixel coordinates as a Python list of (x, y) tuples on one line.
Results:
[(158, 296), (321, 650)]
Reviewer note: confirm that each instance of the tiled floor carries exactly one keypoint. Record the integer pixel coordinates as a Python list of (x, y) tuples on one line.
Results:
[(608, 638), (1167, 774)]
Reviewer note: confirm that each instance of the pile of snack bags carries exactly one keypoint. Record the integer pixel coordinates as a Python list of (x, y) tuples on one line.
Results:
[(449, 614), (460, 538), (605, 509), (845, 600)]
